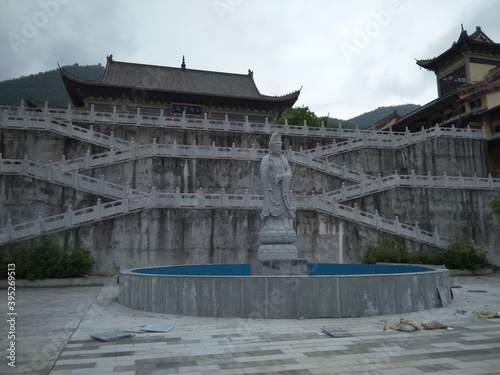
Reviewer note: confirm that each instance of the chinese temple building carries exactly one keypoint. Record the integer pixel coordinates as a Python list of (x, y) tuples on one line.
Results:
[(387, 121), (468, 82), (175, 91)]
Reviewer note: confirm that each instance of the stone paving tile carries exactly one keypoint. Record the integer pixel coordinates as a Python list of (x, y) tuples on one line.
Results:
[(250, 371), (93, 372), (208, 346), (435, 368), (73, 366), (402, 370)]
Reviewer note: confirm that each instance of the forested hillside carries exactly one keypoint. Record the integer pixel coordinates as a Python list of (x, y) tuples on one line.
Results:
[(369, 118), (45, 86)]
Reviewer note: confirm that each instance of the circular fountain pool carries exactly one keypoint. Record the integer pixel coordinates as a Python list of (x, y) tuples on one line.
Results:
[(329, 290)]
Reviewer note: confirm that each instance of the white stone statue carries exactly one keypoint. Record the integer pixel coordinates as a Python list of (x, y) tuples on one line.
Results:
[(276, 176), (277, 237)]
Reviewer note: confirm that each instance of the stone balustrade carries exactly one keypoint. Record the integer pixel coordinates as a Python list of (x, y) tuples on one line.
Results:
[(373, 185), (66, 173), (128, 200), (121, 150), (199, 200), (135, 151), (391, 140), (59, 120), (38, 121)]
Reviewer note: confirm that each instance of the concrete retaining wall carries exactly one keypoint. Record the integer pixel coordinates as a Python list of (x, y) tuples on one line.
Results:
[(176, 236), (437, 155), (157, 237), (453, 212)]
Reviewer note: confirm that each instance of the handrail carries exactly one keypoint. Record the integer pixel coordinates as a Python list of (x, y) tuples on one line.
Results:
[(200, 200), (129, 200), (154, 149), (356, 138), (66, 172)]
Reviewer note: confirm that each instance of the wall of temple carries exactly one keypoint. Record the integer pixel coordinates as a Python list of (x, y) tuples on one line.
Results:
[(452, 212), (437, 155), (196, 236), (179, 235), (142, 135), (42, 145), (23, 198), (235, 176)]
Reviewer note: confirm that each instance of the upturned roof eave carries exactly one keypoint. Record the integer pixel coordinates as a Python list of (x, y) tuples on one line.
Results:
[(465, 43), (70, 80)]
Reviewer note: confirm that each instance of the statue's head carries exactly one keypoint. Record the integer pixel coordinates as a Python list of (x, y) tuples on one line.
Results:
[(275, 144)]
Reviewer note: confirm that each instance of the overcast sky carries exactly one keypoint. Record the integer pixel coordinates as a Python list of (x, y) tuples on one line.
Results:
[(349, 57)]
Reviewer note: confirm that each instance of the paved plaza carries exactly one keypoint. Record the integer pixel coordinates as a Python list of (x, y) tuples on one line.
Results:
[(53, 327)]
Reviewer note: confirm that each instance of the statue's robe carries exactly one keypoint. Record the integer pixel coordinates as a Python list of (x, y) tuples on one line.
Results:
[(276, 175)]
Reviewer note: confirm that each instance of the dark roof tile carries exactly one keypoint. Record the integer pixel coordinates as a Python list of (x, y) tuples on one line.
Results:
[(151, 77)]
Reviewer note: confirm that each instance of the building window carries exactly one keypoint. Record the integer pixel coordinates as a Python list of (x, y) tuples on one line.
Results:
[(452, 81), (475, 103)]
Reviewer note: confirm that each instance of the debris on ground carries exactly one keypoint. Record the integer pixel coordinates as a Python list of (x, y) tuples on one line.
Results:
[(111, 335), (433, 324), (476, 291), (385, 325), (335, 331), (157, 327), (406, 325), (460, 312), (486, 314)]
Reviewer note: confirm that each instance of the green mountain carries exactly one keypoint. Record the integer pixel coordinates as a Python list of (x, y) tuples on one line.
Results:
[(367, 119), (45, 86)]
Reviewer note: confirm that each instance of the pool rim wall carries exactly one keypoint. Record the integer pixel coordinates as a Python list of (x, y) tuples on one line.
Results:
[(285, 297)]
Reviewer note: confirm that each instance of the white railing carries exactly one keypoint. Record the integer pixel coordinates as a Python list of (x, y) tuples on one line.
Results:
[(38, 121), (35, 119), (183, 122), (373, 185), (200, 200), (192, 151), (130, 150), (72, 218), (391, 140), (66, 173), (72, 179), (130, 200)]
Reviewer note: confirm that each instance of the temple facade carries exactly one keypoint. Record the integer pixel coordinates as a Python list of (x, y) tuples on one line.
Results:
[(180, 186), (468, 84), (171, 91)]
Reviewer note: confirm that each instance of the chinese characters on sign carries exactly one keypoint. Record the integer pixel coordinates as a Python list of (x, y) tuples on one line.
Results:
[(189, 109)]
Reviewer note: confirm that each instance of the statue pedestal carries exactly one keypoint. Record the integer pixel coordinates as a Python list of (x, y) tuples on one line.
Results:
[(277, 254), (277, 267), (277, 251), (277, 240)]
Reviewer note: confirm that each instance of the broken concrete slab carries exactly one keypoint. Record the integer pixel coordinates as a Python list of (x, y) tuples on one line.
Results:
[(335, 331), (111, 335), (157, 327)]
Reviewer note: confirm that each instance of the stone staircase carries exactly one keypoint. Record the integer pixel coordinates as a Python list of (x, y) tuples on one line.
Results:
[(126, 200)]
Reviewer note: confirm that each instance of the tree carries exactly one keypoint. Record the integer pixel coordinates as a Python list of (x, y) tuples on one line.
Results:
[(297, 115), (495, 204)]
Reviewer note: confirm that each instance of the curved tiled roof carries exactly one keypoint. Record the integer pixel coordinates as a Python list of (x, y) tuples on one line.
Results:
[(173, 81), (478, 42), (180, 80)]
